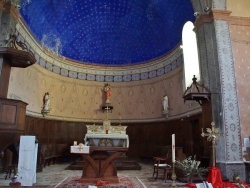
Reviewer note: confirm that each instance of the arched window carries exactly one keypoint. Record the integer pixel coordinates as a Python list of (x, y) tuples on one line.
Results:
[(190, 54)]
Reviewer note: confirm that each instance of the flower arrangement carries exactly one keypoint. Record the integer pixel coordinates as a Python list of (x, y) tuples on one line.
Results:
[(236, 177), (190, 168), (101, 183), (236, 180), (14, 178)]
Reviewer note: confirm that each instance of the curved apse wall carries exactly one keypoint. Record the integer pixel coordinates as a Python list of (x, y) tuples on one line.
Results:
[(76, 90)]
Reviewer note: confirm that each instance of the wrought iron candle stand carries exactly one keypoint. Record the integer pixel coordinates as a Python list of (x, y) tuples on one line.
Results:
[(212, 135)]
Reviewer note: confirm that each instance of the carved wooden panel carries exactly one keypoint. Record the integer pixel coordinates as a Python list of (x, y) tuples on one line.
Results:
[(12, 120), (8, 114)]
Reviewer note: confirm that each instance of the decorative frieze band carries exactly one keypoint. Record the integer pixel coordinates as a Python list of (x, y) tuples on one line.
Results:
[(80, 70)]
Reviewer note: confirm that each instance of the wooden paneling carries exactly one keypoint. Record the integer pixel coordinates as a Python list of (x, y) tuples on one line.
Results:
[(4, 78), (54, 131), (145, 139), (8, 114)]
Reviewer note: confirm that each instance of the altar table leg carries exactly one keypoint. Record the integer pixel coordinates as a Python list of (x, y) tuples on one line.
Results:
[(100, 166)]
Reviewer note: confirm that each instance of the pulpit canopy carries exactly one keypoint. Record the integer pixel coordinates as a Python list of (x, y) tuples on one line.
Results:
[(197, 91)]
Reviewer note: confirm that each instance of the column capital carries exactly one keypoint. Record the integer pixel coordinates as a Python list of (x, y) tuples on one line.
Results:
[(211, 16)]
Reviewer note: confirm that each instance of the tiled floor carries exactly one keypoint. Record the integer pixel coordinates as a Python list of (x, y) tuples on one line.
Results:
[(54, 174)]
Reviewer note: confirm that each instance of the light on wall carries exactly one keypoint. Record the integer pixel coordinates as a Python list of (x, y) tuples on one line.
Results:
[(206, 10), (208, 5)]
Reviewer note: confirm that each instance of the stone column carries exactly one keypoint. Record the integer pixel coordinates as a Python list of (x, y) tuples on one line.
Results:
[(217, 72)]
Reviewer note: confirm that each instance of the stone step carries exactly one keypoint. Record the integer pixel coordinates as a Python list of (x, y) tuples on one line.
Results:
[(122, 163)]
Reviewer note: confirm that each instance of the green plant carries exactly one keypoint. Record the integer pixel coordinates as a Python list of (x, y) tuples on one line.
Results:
[(15, 174), (190, 168), (236, 177)]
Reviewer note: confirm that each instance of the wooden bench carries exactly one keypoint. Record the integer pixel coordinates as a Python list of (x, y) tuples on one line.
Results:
[(48, 154), (53, 153), (62, 151)]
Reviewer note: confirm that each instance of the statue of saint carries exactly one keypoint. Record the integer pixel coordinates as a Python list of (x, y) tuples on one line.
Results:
[(46, 104), (165, 103), (107, 90)]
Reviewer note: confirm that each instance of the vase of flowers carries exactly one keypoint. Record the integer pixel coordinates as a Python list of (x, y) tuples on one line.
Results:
[(191, 167), (101, 183), (236, 177), (14, 182), (14, 179)]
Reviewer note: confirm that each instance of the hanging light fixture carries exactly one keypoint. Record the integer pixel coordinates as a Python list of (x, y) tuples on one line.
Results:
[(208, 6)]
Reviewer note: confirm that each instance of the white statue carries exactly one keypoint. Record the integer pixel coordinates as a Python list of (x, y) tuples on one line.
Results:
[(46, 104), (165, 103)]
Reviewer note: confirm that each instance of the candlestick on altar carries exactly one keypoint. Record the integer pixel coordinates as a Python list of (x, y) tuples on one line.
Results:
[(75, 143), (94, 120), (173, 161), (120, 119), (107, 112), (173, 176), (212, 135)]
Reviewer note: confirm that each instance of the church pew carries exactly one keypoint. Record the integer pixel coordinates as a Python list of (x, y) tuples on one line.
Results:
[(53, 152)]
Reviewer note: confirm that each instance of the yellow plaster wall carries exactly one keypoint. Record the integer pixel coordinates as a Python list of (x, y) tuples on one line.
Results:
[(240, 40), (240, 36), (81, 100), (239, 7)]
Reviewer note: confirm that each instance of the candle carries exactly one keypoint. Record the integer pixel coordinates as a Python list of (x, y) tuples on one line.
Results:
[(75, 143), (173, 148)]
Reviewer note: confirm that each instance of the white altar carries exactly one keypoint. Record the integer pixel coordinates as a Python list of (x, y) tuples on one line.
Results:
[(103, 144), (106, 135), (108, 140)]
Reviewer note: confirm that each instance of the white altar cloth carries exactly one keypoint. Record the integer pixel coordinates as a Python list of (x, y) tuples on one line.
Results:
[(109, 136), (79, 149)]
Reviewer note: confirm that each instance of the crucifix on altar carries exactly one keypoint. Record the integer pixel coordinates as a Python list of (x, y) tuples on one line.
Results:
[(107, 107)]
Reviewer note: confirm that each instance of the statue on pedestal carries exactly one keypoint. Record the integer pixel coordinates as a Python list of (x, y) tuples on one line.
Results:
[(107, 90), (46, 104), (165, 106)]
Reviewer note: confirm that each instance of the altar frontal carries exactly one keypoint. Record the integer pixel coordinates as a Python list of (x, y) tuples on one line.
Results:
[(106, 135)]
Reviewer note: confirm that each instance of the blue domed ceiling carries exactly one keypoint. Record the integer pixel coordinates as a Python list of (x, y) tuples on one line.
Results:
[(108, 32)]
